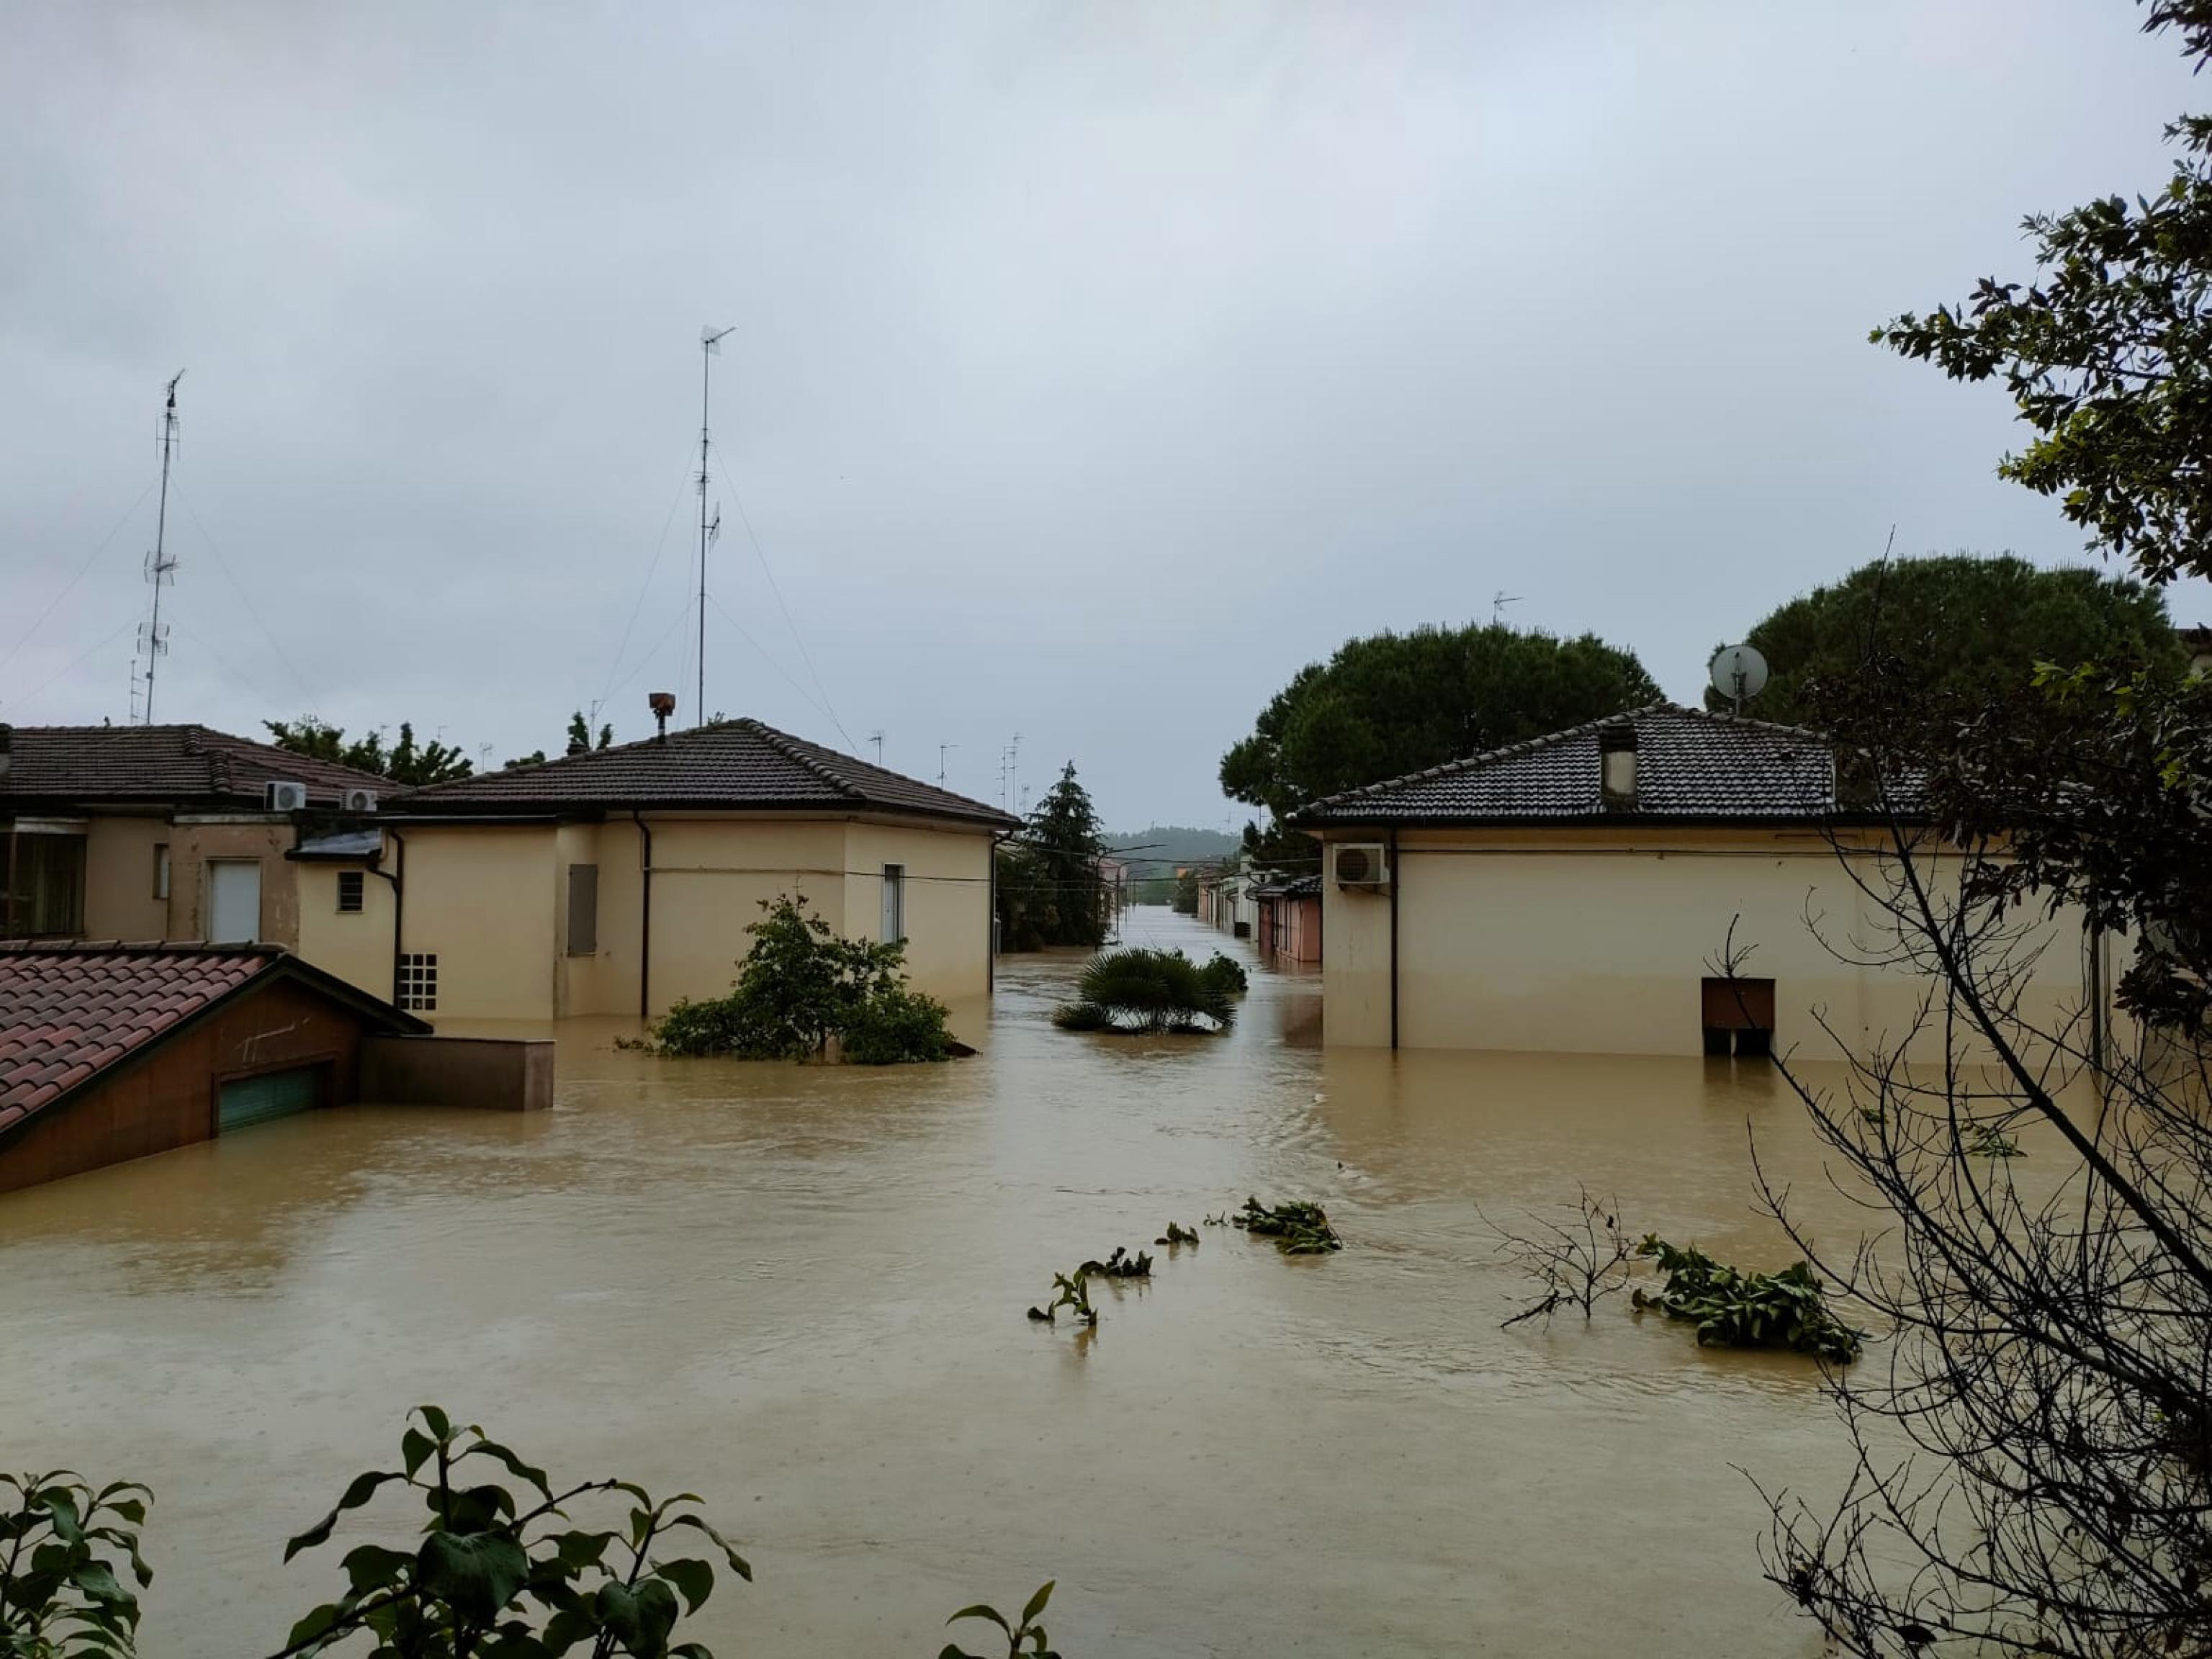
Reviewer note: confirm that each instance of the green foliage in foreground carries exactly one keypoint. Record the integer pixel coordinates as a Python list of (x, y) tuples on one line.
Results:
[(1733, 1309), (1142, 989), (1297, 1229), (800, 987), (62, 1548), (1026, 1636)]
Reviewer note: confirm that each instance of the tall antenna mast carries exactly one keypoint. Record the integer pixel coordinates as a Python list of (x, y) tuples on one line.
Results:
[(160, 568), (710, 347)]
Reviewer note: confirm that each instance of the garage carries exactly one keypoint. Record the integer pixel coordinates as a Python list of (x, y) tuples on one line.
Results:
[(243, 1101)]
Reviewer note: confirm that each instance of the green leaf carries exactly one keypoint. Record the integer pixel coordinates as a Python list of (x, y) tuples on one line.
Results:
[(578, 1550), (693, 1578), (363, 1489), (476, 1574), (515, 1465), (319, 1623), (415, 1450), (1036, 1602), (436, 1421), (372, 1566), (982, 1610), (738, 1565)]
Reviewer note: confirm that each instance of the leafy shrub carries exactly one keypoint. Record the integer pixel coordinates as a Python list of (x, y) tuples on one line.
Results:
[(1296, 1229), (800, 986), (1733, 1309), (896, 1027), (509, 1572), (1142, 989), (62, 1546), (1025, 1637), (1226, 973)]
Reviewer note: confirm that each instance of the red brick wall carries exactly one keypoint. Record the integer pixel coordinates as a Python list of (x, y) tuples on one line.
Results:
[(167, 1098)]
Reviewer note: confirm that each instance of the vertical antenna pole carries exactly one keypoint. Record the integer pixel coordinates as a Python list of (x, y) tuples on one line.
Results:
[(159, 571), (706, 368)]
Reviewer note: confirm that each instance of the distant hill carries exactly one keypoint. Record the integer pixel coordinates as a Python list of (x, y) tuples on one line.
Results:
[(1167, 845)]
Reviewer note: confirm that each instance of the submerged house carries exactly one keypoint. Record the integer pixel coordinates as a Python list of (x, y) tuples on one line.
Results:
[(157, 832), (1574, 893), (1289, 930), (110, 1052), (617, 881)]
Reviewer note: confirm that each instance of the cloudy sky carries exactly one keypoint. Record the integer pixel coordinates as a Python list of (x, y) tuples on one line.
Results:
[(1094, 367)]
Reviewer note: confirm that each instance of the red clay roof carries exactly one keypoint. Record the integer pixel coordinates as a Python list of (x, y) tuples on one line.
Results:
[(179, 764), (737, 765), (69, 1011)]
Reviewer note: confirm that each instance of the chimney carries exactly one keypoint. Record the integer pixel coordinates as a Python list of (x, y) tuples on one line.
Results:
[(7, 747), (1616, 749), (663, 704)]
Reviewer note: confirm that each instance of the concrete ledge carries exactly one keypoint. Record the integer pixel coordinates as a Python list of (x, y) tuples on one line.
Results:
[(495, 1074)]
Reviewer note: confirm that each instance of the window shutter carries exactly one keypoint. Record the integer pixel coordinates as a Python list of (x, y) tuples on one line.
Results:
[(583, 910)]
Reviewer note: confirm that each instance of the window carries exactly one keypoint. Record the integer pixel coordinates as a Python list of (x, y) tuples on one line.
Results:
[(41, 885), (583, 910), (161, 870), (894, 903), (350, 885), (418, 982), (1738, 1016)]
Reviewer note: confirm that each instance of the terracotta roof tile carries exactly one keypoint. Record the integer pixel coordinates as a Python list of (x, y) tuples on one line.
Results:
[(68, 1012), (739, 764), (1690, 764), (178, 764)]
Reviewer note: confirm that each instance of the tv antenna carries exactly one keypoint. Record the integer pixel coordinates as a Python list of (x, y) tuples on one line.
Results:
[(710, 347), (160, 568), (1497, 604), (876, 737), (1738, 672), (941, 749)]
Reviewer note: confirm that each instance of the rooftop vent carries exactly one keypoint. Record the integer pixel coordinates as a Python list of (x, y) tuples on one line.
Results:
[(1616, 748)]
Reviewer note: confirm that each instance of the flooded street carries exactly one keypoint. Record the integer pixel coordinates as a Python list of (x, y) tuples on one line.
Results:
[(799, 1292)]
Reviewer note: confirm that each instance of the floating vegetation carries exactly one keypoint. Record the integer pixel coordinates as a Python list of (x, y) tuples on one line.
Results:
[(1070, 1291), (1226, 973), (1121, 1264), (1175, 1235), (1733, 1309), (1993, 1142), (1221, 1220), (1296, 1229)]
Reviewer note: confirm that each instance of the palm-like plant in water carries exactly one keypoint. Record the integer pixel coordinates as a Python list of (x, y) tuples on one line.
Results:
[(1141, 989)]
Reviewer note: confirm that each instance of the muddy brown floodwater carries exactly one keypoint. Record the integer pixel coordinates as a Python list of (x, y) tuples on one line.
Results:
[(799, 1291)]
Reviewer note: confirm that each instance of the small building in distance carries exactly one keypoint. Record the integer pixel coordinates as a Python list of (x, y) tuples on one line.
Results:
[(1289, 932), (617, 881), (110, 1052), (157, 832), (1575, 893)]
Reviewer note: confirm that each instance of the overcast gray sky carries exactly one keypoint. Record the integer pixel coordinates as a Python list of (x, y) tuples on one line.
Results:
[(1095, 366)]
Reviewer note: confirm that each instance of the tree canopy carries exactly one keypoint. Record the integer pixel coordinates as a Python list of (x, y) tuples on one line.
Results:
[(1965, 624), (404, 761), (1392, 703), (2107, 351), (1050, 891)]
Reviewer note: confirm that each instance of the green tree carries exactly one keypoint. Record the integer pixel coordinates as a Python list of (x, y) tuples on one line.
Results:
[(1049, 890), (2107, 350), (1967, 624), (579, 734), (1393, 703), (405, 763)]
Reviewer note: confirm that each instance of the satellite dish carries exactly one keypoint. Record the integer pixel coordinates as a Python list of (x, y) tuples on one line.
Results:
[(1738, 673)]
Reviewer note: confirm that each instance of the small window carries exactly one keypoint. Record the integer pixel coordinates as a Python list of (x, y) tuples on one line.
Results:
[(583, 910), (41, 885), (894, 903), (1738, 1016), (161, 870), (418, 982), (351, 883)]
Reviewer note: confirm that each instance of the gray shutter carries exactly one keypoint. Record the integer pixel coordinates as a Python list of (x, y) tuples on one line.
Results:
[(583, 910)]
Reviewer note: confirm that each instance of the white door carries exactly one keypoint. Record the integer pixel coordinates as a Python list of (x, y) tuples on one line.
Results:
[(233, 901)]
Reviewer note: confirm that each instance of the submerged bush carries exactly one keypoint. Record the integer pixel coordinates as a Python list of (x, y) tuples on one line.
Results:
[(1225, 972), (1733, 1309), (1141, 989), (62, 1549), (801, 987), (1297, 1229)]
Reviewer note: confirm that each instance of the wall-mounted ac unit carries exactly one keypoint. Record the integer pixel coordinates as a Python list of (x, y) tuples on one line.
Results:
[(360, 800), (1359, 864), (285, 796)]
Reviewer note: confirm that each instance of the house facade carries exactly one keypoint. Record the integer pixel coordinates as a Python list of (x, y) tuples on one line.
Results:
[(1288, 933), (619, 881), (156, 832), (1576, 892)]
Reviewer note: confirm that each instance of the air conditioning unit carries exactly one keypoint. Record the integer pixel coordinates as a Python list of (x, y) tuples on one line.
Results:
[(360, 800), (1359, 864), (285, 796)]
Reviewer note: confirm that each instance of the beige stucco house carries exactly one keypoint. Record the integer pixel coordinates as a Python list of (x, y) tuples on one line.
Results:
[(617, 881), (1574, 893), (157, 832)]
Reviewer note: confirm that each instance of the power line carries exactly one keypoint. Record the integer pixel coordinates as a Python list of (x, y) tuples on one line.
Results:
[(789, 679), (646, 660), (245, 601), (768, 570), (660, 547), (90, 559)]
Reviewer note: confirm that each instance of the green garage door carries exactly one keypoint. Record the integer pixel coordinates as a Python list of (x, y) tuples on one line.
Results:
[(250, 1100)]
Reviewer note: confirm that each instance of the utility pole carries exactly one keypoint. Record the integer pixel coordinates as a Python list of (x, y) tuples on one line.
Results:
[(710, 347), (160, 568)]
